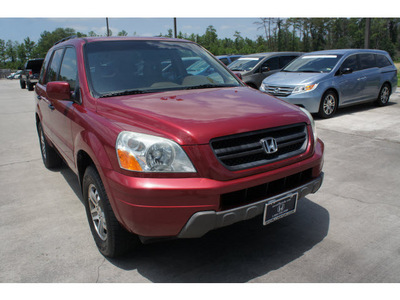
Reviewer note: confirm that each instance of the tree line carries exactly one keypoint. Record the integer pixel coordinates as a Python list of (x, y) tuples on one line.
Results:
[(275, 34)]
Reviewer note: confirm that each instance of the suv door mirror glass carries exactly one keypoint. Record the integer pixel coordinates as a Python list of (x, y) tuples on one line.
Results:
[(58, 90), (347, 71)]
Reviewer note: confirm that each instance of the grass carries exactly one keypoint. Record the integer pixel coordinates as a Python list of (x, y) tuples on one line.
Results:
[(397, 64)]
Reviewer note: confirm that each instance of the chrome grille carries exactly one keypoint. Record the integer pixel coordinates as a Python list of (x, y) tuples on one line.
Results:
[(243, 151), (279, 91)]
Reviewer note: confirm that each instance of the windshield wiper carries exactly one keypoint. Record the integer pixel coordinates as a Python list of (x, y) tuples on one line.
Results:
[(237, 70), (123, 93), (207, 86)]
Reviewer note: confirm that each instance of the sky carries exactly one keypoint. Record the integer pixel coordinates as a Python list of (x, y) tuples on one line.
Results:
[(20, 28), (23, 18)]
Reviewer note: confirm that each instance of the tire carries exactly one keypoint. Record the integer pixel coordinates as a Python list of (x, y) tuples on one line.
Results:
[(384, 95), (111, 238), (50, 157), (30, 86), (328, 105), (22, 84)]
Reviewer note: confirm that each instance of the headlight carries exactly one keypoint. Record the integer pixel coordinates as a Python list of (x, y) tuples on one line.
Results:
[(313, 127), (146, 153), (262, 87), (304, 88)]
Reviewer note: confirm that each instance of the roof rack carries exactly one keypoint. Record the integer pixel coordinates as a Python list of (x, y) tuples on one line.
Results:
[(66, 39)]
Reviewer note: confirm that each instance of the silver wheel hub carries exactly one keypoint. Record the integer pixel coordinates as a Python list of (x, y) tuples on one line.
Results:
[(329, 104), (385, 95), (98, 217)]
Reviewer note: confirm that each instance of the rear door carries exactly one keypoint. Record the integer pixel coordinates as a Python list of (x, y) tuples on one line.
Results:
[(372, 74), (351, 86)]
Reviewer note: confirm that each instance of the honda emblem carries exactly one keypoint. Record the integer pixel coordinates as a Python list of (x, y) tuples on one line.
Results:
[(269, 145)]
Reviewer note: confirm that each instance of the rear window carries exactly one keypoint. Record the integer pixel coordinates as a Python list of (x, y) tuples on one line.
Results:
[(382, 61), (34, 65)]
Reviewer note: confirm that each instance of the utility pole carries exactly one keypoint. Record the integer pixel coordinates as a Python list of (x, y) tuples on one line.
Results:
[(108, 29), (367, 33), (175, 31)]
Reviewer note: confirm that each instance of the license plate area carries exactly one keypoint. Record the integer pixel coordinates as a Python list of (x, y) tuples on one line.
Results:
[(280, 208)]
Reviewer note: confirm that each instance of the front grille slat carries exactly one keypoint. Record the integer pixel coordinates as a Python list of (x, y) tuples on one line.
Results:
[(280, 91), (242, 151)]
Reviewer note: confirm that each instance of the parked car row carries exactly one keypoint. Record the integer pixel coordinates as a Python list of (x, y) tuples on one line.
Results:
[(323, 81), (15, 75)]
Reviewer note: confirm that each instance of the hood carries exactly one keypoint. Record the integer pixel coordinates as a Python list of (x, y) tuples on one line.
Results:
[(193, 117), (294, 78)]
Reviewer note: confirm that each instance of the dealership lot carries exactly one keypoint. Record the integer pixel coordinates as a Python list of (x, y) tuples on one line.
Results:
[(347, 232)]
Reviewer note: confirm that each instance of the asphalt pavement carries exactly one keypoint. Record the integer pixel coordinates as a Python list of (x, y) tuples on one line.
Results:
[(348, 232)]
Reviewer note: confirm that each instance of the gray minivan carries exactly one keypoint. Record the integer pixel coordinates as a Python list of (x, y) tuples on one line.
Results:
[(255, 67), (322, 81)]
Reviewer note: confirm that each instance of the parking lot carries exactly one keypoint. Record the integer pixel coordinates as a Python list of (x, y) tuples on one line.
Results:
[(347, 232)]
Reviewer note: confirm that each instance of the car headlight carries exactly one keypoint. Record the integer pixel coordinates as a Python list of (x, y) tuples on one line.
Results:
[(313, 127), (304, 88), (262, 87), (147, 153)]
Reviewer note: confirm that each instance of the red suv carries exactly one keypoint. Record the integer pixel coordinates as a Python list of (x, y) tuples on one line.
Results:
[(161, 151)]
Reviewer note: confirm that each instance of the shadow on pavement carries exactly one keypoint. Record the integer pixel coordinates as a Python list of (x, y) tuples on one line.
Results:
[(235, 254), (355, 109), (238, 253)]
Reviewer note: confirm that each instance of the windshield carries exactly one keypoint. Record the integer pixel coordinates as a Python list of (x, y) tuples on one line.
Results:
[(313, 64), (133, 67), (244, 63)]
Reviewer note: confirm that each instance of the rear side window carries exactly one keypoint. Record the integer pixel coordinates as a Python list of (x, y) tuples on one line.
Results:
[(367, 61), (350, 62), (69, 70), (225, 61), (382, 61), (284, 60), (54, 66)]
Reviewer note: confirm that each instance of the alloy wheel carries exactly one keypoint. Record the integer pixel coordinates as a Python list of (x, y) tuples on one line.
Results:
[(97, 213)]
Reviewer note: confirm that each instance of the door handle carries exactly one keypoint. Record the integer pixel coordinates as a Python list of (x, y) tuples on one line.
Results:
[(51, 106), (362, 78)]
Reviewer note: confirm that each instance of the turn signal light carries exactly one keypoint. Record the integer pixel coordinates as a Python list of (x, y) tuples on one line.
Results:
[(128, 161)]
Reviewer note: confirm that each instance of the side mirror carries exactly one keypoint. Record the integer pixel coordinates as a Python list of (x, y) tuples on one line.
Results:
[(346, 71), (58, 90), (238, 75), (265, 69)]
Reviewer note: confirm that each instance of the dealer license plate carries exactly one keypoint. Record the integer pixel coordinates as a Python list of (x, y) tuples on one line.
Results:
[(279, 208)]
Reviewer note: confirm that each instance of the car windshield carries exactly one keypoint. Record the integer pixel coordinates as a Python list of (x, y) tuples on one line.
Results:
[(244, 63), (313, 64), (133, 67)]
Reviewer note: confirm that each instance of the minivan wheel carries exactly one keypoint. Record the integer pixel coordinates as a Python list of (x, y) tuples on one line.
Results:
[(328, 105), (50, 157), (384, 95), (111, 238)]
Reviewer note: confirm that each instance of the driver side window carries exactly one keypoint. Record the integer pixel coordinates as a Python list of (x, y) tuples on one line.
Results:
[(350, 62), (270, 64)]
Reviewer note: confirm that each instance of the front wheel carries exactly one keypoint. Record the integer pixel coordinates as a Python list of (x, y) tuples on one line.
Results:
[(328, 105), (111, 238), (384, 95)]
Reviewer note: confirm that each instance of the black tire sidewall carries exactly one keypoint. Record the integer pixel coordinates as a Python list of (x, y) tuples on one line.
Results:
[(52, 160)]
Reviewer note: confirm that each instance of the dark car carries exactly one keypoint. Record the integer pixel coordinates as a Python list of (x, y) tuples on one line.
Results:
[(30, 74), (255, 67), (165, 153)]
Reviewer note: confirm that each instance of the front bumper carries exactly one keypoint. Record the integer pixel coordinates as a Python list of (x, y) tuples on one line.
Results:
[(167, 207), (310, 100), (202, 222)]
